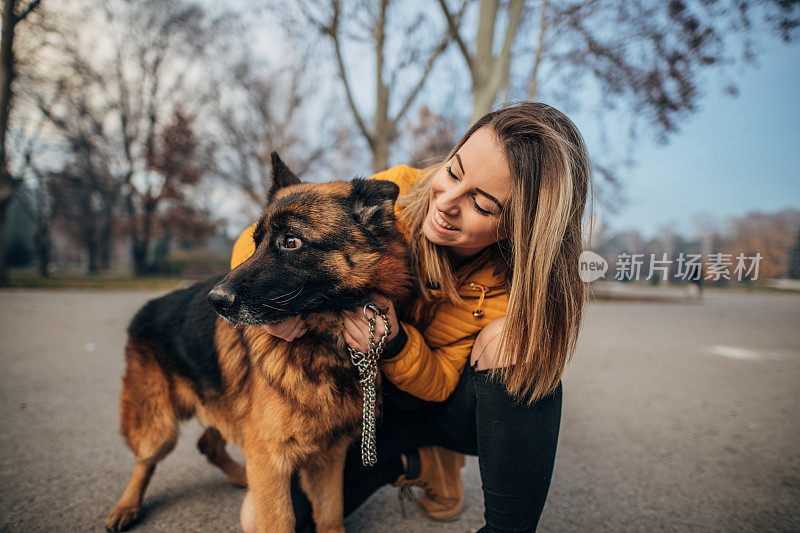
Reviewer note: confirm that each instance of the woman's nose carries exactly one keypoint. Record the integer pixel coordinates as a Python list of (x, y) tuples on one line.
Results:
[(447, 201)]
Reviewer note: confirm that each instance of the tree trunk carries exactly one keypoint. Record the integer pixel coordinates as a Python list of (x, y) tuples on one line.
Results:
[(139, 254), (489, 71), (105, 248), (93, 270), (380, 154), (141, 240), (161, 252), (483, 98), (107, 234), (43, 256), (381, 126), (533, 84), (90, 242), (42, 241), (6, 193), (6, 78)]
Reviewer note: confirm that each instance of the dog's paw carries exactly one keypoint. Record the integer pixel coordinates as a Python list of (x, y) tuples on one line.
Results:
[(121, 518)]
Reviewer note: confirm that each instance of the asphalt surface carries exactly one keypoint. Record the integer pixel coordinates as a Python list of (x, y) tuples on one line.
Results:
[(677, 416)]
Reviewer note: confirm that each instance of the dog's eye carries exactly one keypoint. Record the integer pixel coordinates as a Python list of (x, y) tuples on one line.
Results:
[(291, 242)]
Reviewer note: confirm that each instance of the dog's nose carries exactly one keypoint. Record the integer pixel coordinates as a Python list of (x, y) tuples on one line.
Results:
[(221, 299)]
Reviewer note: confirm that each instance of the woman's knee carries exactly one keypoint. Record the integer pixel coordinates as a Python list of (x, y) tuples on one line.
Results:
[(485, 348)]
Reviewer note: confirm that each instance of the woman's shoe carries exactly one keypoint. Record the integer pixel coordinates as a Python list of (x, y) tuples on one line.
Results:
[(438, 472)]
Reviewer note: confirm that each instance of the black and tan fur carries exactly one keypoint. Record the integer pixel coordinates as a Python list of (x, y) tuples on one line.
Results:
[(290, 406)]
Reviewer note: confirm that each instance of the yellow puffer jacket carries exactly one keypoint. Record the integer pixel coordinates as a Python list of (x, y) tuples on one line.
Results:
[(430, 363)]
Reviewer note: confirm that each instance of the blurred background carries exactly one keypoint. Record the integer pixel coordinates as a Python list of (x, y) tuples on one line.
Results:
[(134, 148)]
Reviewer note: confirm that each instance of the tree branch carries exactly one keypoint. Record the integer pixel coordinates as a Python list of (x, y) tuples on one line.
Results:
[(502, 62), (442, 46), (533, 86), (333, 32), (453, 24), (484, 39)]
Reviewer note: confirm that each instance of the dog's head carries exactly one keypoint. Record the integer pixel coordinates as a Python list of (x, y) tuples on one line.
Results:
[(319, 247)]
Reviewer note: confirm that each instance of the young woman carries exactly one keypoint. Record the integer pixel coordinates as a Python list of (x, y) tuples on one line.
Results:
[(494, 235)]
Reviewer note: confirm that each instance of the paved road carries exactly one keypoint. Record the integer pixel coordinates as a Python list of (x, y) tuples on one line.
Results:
[(677, 416)]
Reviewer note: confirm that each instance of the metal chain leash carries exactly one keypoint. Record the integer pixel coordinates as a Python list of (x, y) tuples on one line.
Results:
[(367, 365)]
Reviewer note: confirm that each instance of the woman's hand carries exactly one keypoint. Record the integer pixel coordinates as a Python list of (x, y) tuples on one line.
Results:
[(287, 329), (356, 327)]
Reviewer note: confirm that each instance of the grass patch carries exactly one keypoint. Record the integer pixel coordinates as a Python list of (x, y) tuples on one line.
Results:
[(25, 279)]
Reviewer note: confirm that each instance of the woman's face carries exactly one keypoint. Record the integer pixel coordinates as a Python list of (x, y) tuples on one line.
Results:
[(467, 196)]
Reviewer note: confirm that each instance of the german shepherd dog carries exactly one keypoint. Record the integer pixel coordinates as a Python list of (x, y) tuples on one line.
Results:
[(320, 249)]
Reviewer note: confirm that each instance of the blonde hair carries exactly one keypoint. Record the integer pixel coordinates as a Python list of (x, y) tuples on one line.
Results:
[(551, 178)]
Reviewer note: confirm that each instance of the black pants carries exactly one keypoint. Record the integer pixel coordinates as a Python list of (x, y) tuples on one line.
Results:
[(515, 445)]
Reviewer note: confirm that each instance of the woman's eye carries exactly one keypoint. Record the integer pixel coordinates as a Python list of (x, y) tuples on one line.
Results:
[(482, 211), (452, 175), (291, 243)]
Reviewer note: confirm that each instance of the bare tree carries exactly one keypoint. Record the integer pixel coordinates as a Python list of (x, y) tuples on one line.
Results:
[(42, 214), (38, 206), (120, 85), (173, 155), (770, 234), (261, 112), (35, 151), (13, 13), (161, 46), (69, 100), (374, 22), (647, 56), (27, 152), (80, 205), (635, 63), (489, 70)]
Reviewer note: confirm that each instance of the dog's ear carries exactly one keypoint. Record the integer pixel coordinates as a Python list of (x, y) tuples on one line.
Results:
[(373, 203), (281, 176)]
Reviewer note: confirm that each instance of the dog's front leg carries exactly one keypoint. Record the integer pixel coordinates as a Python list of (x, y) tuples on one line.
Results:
[(323, 482), (268, 477)]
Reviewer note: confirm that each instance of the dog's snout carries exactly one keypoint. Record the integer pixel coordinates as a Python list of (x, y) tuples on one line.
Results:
[(221, 299)]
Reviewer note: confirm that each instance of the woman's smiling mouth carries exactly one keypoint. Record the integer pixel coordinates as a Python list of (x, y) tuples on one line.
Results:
[(440, 224)]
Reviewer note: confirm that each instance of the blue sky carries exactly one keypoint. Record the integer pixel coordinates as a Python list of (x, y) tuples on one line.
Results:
[(733, 156)]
